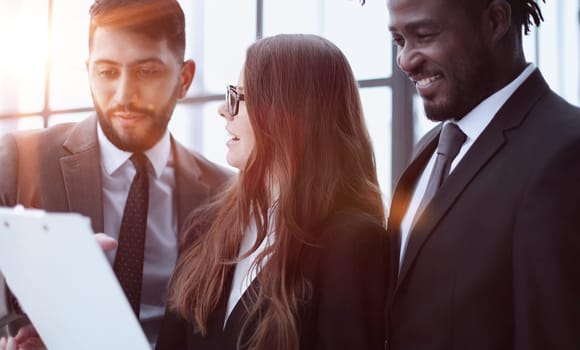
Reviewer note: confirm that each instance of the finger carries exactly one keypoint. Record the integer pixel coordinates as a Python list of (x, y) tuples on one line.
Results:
[(26, 332), (29, 346), (11, 344), (107, 243), (31, 343), (27, 339)]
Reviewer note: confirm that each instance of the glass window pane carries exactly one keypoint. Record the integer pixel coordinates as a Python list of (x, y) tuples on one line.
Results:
[(22, 123), (218, 33), (70, 31), (8, 125), (530, 46), (377, 105), (297, 16), (24, 38), (361, 33), (559, 42), (555, 48)]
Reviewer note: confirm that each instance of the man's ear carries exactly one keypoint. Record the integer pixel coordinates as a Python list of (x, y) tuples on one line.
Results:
[(498, 19), (187, 74)]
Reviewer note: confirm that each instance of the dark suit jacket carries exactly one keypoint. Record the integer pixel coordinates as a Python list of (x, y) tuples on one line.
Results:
[(58, 169), (493, 263), (347, 274)]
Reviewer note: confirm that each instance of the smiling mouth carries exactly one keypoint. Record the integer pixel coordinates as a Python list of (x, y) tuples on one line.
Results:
[(129, 115), (426, 81), (232, 136)]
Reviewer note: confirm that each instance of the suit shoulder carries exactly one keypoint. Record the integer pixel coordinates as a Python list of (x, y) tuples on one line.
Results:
[(40, 142), (210, 173), (347, 228), (553, 124), (211, 168), (59, 131), (350, 247), (558, 109)]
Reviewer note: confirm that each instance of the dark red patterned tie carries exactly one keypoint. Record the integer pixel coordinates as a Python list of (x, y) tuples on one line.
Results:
[(128, 264)]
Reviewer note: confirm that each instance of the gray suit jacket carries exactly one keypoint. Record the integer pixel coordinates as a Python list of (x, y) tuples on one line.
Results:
[(58, 169)]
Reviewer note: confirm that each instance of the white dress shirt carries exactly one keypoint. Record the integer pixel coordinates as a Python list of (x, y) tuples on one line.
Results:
[(472, 126), (246, 271), (117, 173)]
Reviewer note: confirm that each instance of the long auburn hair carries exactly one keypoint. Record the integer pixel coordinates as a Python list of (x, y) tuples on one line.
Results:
[(312, 144)]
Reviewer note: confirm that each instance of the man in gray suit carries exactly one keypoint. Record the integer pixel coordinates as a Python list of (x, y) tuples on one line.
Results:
[(137, 72)]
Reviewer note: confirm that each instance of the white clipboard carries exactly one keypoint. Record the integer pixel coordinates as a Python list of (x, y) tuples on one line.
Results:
[(64, 283)]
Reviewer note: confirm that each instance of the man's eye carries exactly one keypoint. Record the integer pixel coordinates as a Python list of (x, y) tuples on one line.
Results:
[(107, 73), (425, 36), (398, 41), (148, 72)]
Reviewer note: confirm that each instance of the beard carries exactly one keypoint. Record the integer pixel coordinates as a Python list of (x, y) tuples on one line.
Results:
[(154, 125), (468, 85)]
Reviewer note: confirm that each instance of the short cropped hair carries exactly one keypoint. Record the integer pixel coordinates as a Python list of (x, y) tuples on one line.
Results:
[(157, 19)]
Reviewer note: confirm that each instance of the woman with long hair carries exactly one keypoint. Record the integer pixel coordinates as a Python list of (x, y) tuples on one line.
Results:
[(292, 255)]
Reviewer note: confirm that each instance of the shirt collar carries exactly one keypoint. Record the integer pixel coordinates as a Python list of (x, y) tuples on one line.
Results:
[(479, 117), (113, 158)]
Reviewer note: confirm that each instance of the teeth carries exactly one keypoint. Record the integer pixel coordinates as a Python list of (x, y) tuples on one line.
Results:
[(232, 136), (426, 81)]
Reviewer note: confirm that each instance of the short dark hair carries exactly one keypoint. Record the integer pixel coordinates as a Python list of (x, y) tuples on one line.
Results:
[(158, 19)]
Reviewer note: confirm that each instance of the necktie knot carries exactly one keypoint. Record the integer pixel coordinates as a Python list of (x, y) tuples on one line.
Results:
[(140, 162), (450, 140)]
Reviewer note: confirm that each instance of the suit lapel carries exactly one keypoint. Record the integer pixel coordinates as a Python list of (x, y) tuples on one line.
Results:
[(510, 116), (82, 175), (189, 189), (82, 172), (404, 191), (235, 321), (446, 196)]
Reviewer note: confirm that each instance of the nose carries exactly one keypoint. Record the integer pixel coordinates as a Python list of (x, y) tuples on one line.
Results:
[(127, 90), (408, 58), (223, 111)]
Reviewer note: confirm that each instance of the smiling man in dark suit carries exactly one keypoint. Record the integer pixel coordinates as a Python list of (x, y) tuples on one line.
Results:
[(487, 256), (137, 72)]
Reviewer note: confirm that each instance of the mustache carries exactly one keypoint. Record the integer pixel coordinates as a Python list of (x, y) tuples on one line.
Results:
[(131, 108)]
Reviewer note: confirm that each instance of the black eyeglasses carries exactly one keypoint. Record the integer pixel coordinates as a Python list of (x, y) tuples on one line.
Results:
[(233, 98)]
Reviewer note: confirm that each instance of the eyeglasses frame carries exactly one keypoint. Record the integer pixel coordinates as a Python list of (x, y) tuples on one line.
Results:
[(232, 90)]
